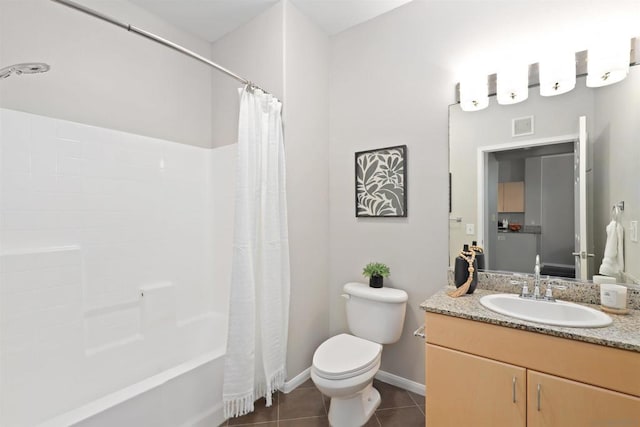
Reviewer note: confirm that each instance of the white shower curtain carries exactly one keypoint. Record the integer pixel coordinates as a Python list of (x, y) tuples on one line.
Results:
[(259, 302)]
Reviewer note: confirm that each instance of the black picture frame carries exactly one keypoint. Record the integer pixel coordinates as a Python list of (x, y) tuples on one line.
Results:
[(381, 182)]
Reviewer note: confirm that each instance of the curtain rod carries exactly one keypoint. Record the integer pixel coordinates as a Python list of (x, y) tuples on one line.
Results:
[(157, 39)]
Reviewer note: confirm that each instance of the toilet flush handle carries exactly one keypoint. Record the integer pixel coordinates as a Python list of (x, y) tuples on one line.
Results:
[(346, 296)]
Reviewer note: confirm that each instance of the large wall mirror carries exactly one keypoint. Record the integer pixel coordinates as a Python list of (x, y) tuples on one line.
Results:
[(543, 177)]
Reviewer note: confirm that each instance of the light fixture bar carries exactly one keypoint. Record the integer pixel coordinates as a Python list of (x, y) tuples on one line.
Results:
[(581, 69)]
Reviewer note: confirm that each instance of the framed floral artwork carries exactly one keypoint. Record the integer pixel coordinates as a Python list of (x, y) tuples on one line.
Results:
[(381, 182)]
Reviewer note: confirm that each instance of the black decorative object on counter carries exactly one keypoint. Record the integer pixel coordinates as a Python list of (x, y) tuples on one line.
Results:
[(461, 270), (479, 254)]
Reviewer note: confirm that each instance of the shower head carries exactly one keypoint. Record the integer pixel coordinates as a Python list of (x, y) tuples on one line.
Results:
[(25, 68)]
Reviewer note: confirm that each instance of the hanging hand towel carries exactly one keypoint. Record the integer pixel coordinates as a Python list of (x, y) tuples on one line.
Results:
[(613, 260), (259, 301)]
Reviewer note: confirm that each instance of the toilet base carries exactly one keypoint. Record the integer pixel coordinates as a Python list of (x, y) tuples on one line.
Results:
[(354, 410)]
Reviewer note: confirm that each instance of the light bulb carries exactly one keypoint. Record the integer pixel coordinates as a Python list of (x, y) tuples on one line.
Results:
[(474, 93), (557, 73), (513, 84), (608, 61)]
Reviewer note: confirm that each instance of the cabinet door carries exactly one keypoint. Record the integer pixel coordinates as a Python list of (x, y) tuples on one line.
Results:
[(557, 402), (514, 196), (466, 390), (501, 197)]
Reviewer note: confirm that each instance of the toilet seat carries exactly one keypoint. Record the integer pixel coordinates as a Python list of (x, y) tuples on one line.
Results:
[(345, 356)]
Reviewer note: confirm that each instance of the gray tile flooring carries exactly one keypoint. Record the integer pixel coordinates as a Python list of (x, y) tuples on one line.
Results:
[(307, 407)]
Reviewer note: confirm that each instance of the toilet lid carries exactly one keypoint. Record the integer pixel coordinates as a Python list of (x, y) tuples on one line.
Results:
[(345, 356)]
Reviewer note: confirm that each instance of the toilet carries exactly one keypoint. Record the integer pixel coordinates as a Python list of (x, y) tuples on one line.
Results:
[(344, 365)]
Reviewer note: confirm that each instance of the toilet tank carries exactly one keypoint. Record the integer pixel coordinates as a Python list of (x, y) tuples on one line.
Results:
[(375, 314)]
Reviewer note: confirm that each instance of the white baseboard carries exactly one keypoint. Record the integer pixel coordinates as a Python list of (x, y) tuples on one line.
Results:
[(401, 382), (383, 376), (296, 381)]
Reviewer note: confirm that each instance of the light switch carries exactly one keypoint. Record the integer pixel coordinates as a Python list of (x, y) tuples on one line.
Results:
[(633, 231), (471, 229)]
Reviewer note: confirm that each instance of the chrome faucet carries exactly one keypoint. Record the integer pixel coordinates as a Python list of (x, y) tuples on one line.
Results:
[(548, 295), (536, 278)]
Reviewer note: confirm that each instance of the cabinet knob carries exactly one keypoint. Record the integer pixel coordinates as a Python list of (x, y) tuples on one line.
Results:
[(513, 390)]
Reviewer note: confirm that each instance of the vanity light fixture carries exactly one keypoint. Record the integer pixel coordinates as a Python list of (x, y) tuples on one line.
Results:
[(474, 93), (608, 61), (604, 63), (513, 84), (557, 73)]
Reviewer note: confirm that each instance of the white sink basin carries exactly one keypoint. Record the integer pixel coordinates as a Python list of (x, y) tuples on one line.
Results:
[(558, 313)]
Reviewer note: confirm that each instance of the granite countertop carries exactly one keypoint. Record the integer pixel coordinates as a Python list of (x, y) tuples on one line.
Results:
[(624, 333)]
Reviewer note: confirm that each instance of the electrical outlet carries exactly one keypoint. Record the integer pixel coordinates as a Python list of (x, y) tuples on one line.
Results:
[(633, 231), (471, 229)]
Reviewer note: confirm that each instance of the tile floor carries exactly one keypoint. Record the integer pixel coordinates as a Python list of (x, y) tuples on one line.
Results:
[(307, 407)]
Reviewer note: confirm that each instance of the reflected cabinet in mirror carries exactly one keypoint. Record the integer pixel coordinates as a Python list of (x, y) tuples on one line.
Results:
[(543, 177)]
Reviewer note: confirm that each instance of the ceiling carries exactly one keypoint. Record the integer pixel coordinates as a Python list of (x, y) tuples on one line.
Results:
[(212, 19)]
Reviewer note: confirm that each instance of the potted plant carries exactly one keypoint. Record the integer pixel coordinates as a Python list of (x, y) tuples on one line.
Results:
[(375, 271)]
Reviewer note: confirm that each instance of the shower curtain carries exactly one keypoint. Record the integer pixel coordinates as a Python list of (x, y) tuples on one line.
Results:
[(259, 298)]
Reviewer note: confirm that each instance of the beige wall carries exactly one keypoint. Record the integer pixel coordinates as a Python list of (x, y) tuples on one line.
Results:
[(385, 91), (289, 56), (102, 75)]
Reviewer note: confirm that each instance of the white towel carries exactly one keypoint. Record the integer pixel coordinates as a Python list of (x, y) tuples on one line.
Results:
[(613, 260), (259, 302)]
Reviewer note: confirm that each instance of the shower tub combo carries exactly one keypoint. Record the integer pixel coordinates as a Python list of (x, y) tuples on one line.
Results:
[(111, 313)]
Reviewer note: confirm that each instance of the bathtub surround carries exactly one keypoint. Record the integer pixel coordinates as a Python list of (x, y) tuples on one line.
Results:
[(255, 362), (105, 258)]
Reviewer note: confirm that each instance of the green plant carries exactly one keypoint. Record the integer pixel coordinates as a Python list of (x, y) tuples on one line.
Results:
[(375, 269)]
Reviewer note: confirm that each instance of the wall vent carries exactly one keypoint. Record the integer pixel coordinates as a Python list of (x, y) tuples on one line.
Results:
[(522, 126)]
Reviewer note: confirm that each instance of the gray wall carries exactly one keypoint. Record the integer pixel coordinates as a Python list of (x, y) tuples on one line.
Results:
[(511, 170), (307, 142), (297, 71), (532, 191), (617, 147), (386, 91), (557, 219), (255, 51), (102, 75)]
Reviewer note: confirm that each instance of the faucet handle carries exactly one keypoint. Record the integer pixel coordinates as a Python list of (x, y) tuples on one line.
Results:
[(552, 284), (525, 287)]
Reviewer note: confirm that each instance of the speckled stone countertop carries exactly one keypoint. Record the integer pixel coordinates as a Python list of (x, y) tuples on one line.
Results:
[(624, 333)]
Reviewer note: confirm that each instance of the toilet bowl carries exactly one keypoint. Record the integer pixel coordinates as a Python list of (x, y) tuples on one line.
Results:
[(343, 369), (344, 365)]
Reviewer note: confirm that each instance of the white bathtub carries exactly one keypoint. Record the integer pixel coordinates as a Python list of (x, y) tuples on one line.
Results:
[(188, 394)]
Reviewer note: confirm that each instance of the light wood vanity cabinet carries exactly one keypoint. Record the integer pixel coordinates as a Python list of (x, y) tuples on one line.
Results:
[(554, 401), (478, 374), (466, 390)]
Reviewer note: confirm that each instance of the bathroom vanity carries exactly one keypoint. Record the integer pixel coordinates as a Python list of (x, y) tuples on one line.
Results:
[(486, 369)]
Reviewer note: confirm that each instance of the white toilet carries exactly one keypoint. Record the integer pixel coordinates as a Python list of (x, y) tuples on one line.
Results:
[(344, 366)]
